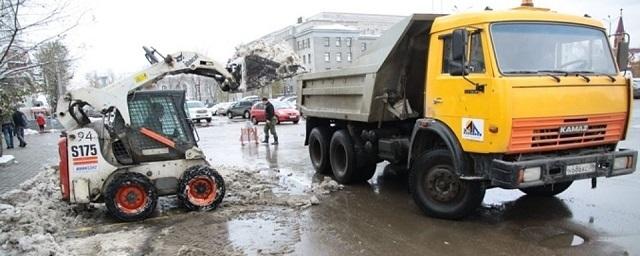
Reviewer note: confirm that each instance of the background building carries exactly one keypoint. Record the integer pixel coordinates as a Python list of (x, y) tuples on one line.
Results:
[(332, 40), (329, 40)]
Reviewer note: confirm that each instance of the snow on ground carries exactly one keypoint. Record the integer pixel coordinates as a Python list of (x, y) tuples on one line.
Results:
[(34, 220)]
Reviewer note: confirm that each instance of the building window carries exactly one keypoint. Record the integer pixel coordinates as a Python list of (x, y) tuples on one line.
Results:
[(308, 43), (363, 46), (348, 39), (327, 42), (338, 41), (349, 57), (309, 58), (327, 57), (338, 57), (304, 59), (300, 46)]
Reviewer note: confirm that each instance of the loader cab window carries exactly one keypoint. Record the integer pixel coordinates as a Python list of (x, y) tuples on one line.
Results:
[(475, 57)]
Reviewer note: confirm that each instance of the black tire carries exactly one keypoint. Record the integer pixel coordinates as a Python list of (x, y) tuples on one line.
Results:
[(427, 177), (230, 115), (208, 120), (319, 149), (208, 185), (548, 190), (130, 197), (296, 122), (343, 160), (246, 115), (254, 120)]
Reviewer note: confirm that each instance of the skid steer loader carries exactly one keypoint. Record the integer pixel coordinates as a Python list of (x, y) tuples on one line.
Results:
[(143, 146)]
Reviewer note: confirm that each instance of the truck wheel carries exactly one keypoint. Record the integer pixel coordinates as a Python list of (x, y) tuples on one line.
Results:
[(343, 159), (201, 188), (319, 150), (547, 190), (437, 190), (130, 197)]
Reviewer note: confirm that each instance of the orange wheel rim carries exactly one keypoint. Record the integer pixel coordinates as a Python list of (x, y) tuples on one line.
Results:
[(201, 191), (131, 198)]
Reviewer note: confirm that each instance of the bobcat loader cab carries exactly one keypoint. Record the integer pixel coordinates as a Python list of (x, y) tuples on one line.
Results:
[(143, 147)]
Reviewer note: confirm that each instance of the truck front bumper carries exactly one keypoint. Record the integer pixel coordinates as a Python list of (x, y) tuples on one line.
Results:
[(549, 170)]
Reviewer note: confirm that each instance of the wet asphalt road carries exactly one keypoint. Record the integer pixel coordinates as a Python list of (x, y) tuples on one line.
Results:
[(379, 218)]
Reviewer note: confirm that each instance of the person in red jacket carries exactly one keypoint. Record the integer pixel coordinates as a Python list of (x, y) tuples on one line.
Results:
[(41, 122)]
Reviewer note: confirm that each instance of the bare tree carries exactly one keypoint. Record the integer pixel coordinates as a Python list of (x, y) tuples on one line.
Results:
[(54, 73), (25, 26)]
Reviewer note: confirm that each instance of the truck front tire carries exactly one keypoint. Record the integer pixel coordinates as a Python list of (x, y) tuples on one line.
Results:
[(437, 189), (319, 149), (548, 190)]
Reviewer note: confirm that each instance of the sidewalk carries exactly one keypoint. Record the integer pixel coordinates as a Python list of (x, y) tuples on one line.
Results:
[(42, 150)]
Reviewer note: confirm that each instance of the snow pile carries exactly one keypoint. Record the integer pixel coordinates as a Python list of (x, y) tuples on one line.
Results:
[(256, 187), (32, 216), (327, 186), (35, 221), (279, 52)]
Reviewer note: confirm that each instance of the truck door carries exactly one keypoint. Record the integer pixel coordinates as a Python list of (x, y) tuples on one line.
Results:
[(463, 104)]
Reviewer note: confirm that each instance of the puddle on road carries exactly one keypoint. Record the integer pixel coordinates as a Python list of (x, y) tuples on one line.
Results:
[(552, 237), (259, 236)]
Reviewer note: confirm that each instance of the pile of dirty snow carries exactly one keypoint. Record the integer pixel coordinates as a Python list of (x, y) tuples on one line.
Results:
[(32, 216), (35, 221), (279, 52)]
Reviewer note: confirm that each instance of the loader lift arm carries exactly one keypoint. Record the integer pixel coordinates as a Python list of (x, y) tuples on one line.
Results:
[(70, 107)]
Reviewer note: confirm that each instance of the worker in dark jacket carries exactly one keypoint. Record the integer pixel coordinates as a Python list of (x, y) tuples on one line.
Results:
[(7, 128), (20, 122), (270, 125)]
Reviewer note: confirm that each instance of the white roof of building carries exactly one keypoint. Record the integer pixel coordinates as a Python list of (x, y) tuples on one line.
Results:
[(334, 27)]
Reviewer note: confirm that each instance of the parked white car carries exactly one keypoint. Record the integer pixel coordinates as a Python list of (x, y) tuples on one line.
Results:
[(220, 108), (198, 111)]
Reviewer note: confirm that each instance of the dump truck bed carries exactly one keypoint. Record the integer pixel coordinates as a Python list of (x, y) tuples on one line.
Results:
[(392, 73)]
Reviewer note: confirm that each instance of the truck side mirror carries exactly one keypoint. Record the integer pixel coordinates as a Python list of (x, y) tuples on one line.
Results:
[(622, 56), (458, 53)]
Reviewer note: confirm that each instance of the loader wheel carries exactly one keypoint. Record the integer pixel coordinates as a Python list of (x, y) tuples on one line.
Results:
[(548, 190), (201, 188), (437, 189), (130, 197), (319, 150)]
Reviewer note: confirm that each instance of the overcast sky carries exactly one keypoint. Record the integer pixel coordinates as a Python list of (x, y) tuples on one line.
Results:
[(112, 32)]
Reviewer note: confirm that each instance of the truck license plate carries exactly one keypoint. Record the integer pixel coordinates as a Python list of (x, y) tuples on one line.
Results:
[(581, 168)]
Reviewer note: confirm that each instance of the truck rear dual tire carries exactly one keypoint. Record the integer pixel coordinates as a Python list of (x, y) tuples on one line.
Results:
[(319, 149), (437, 189), (547, 190), (130, 197), (346, 166)]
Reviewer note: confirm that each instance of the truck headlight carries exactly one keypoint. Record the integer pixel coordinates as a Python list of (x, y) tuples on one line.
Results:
[(531, 174), (621, 162)]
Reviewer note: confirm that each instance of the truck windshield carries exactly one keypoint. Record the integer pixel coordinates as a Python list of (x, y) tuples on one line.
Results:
[(532, 48)]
